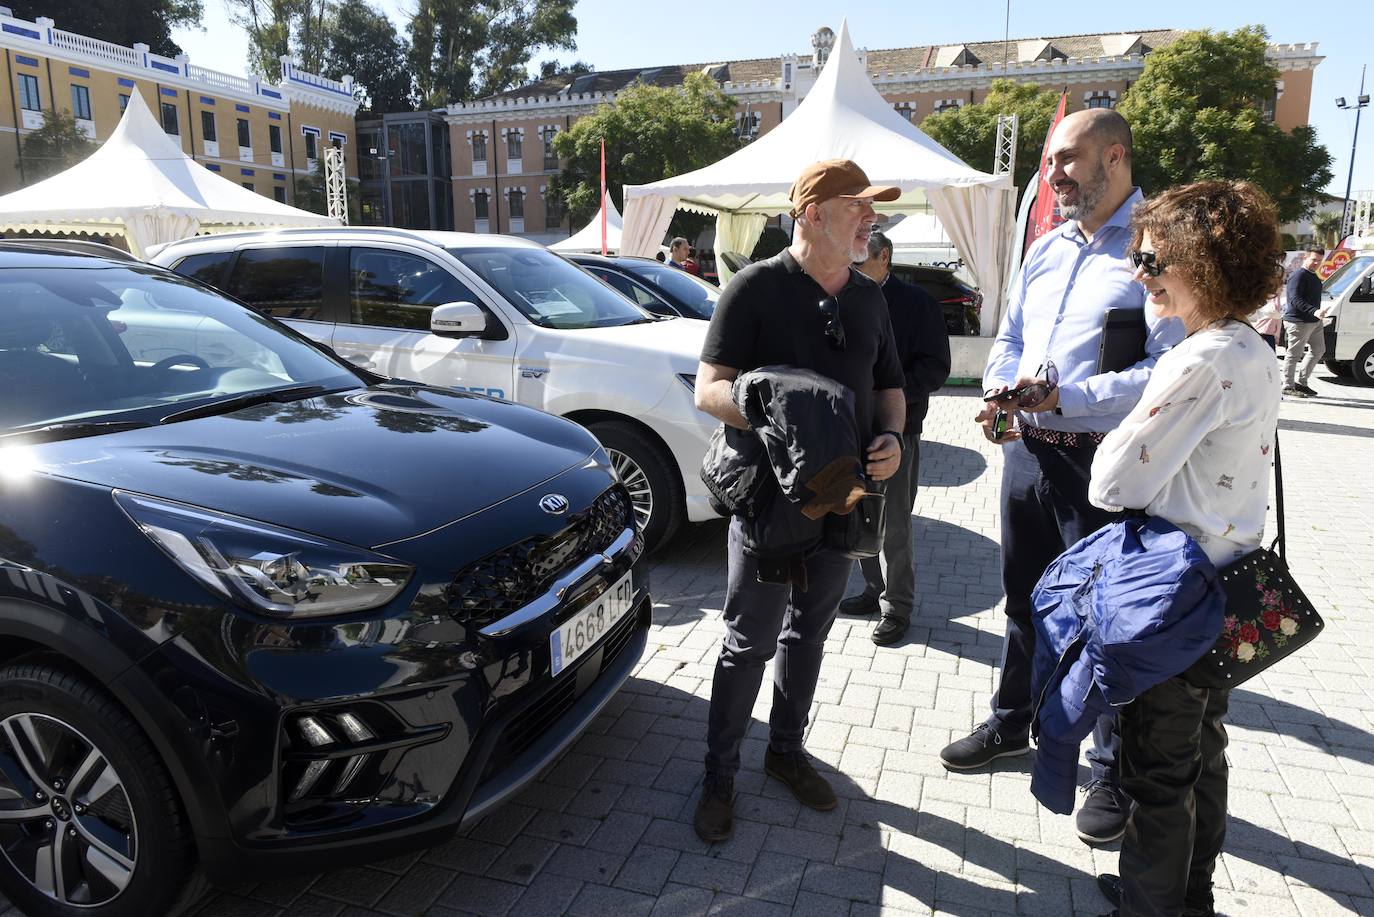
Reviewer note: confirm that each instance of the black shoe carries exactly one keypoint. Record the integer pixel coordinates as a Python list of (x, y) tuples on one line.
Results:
[(984, 745), (1110, 886), (891, 629), (715, 816), (1102, 817), (1310, 392), (794, 769), (861, 604)]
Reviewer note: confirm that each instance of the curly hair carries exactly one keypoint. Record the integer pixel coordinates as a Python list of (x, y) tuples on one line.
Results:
[(1221, 238)]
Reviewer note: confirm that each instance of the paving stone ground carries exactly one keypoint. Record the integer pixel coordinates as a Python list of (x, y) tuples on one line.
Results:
[(607, 830)]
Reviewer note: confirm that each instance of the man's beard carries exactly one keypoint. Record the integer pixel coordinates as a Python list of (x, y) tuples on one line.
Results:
[(1090, 194), (857, 248)]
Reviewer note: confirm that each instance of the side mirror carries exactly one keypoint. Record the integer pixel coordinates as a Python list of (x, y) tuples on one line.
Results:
[(458, 320)]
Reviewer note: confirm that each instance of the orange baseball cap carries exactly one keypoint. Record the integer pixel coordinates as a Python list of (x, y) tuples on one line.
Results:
[(831, 178)]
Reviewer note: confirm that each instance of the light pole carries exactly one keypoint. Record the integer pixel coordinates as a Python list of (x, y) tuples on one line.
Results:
[(1361, 101)]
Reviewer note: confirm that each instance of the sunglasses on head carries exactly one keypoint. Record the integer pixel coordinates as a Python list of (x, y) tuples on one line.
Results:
[(834, 330), (1148, 262), (1031, 394)]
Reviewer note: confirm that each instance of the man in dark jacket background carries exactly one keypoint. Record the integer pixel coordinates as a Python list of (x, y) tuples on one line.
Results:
[(1302, 325), (918, 328)]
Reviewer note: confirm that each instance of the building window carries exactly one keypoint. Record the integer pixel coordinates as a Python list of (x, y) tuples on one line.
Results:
[(480, 206), (907, 110), (311, 152), (81, 102), (29, 100), (245, 136), (515, 145), (279, 192), (479, 146), (948, 105), (207, 127), (169, 119), (550, 157), (747, 126), (553, 211), (1100, 100), (274, 137), (336, 141), (248, 185), (517, 204), (123, 102)]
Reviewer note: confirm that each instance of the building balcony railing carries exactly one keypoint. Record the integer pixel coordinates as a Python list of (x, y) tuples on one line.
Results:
[(95, 47), (220, 80)]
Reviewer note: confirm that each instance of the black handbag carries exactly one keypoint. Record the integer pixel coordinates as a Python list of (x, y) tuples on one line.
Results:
[(1267, 615), (859, 532)]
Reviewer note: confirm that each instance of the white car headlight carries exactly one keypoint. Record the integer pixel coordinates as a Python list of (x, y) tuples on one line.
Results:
[(267, 568)]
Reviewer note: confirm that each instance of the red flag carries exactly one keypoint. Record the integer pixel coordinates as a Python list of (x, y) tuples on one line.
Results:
[(1044, 215), (603, 197)]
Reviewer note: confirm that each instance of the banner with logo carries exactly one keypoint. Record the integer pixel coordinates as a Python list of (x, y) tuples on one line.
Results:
[(1045, 214)]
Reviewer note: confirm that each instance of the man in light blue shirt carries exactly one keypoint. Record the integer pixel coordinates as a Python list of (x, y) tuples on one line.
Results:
[(1045, 360)]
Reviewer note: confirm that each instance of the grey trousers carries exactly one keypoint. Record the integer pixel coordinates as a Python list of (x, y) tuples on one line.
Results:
[(891, 576), (1302, 336), (761, 620)]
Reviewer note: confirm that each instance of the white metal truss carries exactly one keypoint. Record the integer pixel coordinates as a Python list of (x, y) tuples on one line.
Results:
[(335, 187), (1359, 215), (1004, 159)]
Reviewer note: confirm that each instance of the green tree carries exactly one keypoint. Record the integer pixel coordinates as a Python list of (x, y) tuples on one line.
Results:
[(1326, 228), (363, 43), (123, 22), (1197, 112), (970, 132), (296, 28), (651, 132), (466, 49), (55, 147)]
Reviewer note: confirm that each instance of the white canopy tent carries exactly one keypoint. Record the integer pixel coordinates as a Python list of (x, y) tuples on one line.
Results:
[(140, 184), (588, 238), (842, 117)]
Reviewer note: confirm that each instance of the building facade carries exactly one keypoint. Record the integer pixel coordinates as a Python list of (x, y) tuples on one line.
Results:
[(406, 170), (265, 136), (501, 146)]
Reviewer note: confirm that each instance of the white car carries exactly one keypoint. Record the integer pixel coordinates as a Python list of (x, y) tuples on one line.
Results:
[(491, 314)]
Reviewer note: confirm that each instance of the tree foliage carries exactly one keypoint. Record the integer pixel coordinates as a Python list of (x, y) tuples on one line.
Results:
[(1197, 112), (55, 147), (466, 49), (362, 43), (1326, 228), (123, 22), (651, 132), (970, 132), (276, 28)]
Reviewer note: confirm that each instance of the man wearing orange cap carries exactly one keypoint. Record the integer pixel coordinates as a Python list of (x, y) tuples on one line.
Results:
[(808, 308)]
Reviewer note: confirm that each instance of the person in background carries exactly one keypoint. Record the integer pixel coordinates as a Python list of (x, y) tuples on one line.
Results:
[(660, 256), (1044, 368), (1196, 451), (678, 251), (690, 265), (918, 327), (1302, 325)]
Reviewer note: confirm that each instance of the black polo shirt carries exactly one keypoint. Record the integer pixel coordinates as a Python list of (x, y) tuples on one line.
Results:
[(770, 314)]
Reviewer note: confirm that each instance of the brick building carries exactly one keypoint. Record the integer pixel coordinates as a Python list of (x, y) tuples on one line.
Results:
[(502, 157), (263, 135)]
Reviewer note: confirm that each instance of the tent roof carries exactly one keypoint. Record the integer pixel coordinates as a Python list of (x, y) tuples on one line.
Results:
[(842, 117), (588, 238), (141, 172)]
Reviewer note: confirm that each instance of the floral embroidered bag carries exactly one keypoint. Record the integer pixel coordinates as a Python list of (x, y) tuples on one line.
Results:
[(1267, 616)]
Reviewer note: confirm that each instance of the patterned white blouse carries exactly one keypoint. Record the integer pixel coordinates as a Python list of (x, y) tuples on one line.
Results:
[(1197, 448)]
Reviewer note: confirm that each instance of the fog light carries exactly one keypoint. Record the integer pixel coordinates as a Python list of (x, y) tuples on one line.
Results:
[(349, 772), (313, 732), (313, 770), (354, 728)]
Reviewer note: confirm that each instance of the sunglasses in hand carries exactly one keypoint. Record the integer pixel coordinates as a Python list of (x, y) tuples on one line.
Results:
[(1032, 393)]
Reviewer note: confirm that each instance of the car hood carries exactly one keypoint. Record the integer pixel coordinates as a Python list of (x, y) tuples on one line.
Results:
[(675, 341), (366, 467)]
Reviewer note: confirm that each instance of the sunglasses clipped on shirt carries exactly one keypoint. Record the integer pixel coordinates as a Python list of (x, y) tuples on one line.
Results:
[(1031, 394), (834, 330), (1147, 261)]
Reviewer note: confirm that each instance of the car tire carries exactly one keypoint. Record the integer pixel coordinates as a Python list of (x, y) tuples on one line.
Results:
[(107, 837), (1363, 366), (1340, 368), (649, 475)]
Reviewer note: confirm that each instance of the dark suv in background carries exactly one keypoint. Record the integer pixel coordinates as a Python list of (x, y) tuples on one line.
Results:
[(266, 611), (961, 303)]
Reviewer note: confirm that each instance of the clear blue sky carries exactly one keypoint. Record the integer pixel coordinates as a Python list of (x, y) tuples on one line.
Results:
[(619, 34)]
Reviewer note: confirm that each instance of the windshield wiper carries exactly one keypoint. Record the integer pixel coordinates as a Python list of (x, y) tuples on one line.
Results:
[(74, 429), (248, 400)]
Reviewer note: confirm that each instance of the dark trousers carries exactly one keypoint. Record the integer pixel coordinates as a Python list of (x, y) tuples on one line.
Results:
[(1173, 764), (1045, 509), (762, 619), (891, 576)]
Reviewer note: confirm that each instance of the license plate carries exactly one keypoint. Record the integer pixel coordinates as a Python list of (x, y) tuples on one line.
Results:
[(576, 636)]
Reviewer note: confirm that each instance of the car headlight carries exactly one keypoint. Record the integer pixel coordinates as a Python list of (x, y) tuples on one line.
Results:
[(267, 568)]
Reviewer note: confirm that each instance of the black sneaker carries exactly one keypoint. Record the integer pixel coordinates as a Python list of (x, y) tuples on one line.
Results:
[(984, 745), (1309, 392), (861, 604), (1102, 817), (715, 816)]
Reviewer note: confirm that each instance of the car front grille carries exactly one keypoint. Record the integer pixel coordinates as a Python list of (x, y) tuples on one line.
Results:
[(507, 580)]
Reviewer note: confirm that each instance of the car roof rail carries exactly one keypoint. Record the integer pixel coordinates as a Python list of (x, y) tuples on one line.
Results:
[(312, 230), (72, 247)]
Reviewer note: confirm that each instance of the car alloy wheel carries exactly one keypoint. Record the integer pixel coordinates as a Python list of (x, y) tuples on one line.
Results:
[(66, 824), (637, 483), (649, 475)]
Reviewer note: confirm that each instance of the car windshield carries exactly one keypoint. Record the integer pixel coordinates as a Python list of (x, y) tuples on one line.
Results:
[(698, 295), (1345, 275), (116, 344), (550, 291)]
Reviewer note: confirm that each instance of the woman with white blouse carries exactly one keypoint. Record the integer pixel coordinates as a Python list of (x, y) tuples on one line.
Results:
[(1197, 451)]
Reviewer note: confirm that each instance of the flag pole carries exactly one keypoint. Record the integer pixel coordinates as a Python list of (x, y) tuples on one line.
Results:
[(603, 197)]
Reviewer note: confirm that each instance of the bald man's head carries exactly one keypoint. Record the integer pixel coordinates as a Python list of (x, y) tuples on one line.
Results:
[(1103, 127), (1090, 165)]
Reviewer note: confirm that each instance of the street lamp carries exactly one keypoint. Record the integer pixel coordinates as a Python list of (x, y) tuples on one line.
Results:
[(1361, 102)]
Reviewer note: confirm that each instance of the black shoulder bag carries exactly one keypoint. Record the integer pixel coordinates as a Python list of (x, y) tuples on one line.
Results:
[(1267, 616)]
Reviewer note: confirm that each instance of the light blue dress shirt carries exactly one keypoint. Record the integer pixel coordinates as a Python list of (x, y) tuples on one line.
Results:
[(1058, 305)]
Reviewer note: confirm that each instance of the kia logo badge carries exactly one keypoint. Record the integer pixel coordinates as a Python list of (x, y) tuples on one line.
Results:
[(554, 504)]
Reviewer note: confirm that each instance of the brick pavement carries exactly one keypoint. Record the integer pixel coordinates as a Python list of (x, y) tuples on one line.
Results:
[(607, 830)]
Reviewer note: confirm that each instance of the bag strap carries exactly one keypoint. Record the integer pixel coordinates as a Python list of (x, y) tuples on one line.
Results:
[(1279, 539)]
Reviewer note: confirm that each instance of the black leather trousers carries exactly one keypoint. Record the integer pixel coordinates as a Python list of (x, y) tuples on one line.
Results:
[(1173, 764)]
